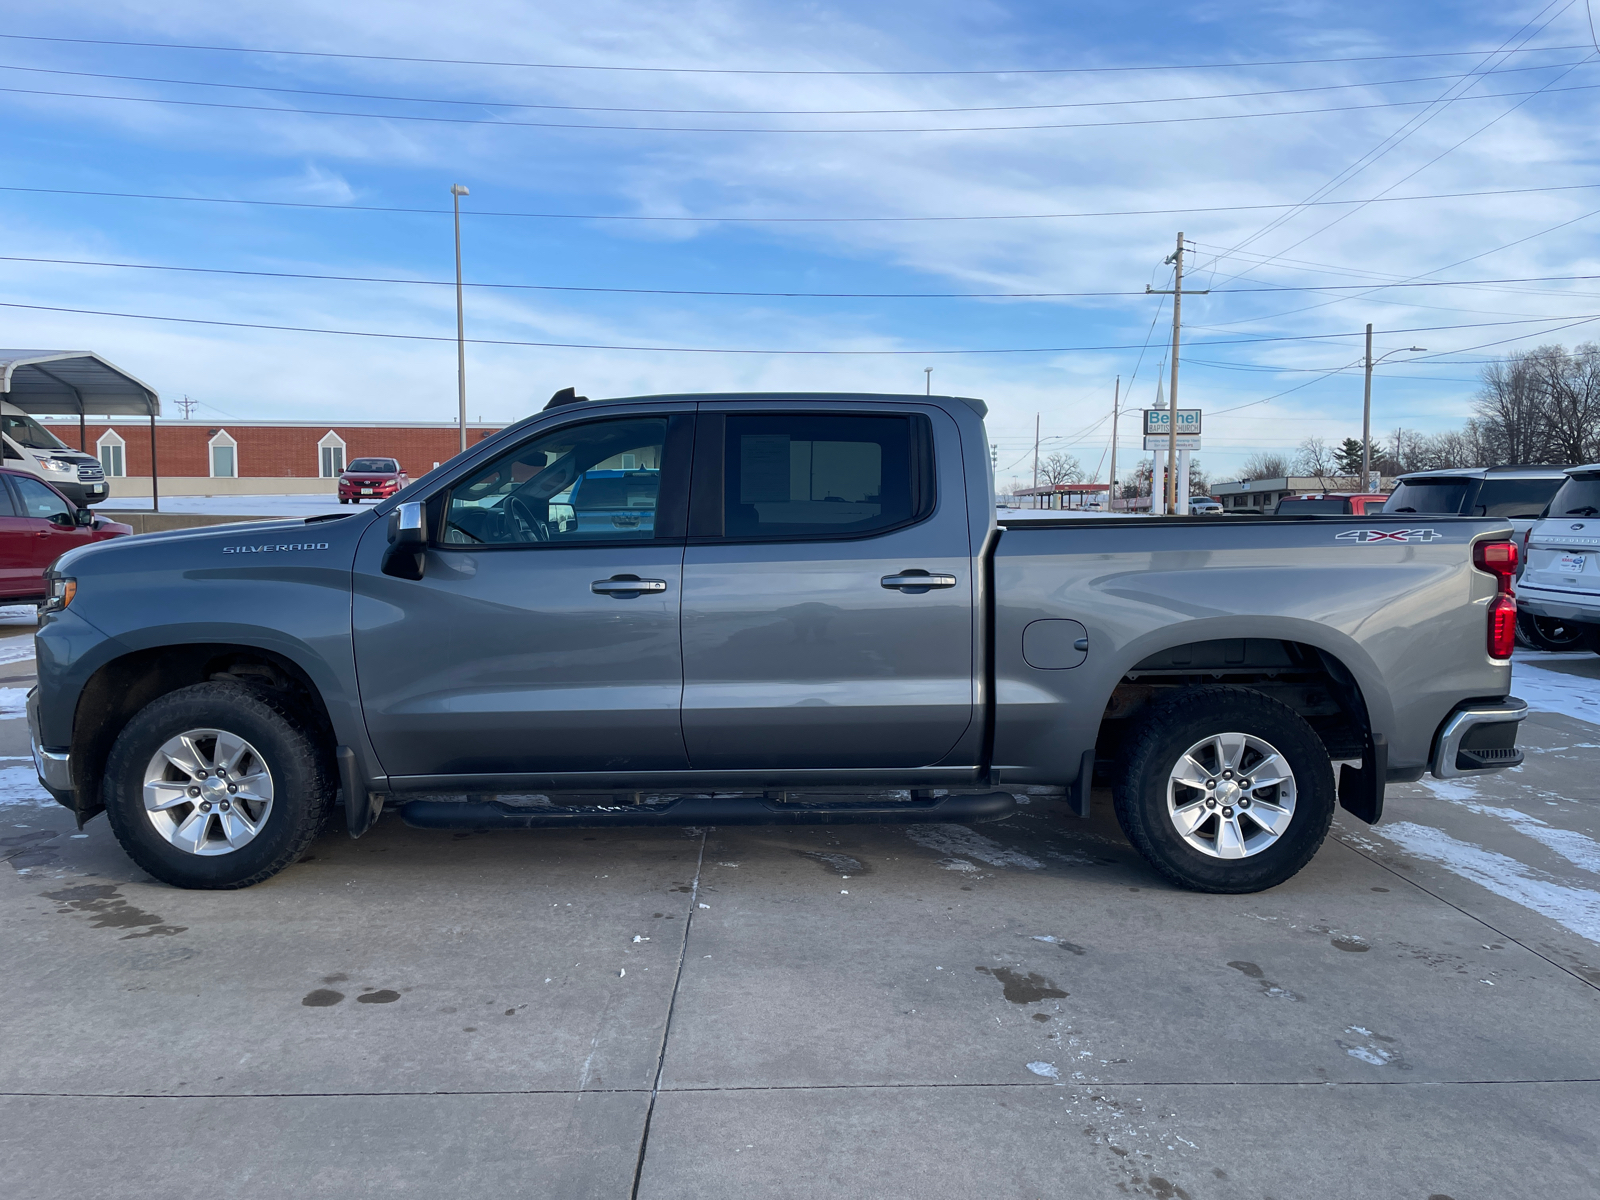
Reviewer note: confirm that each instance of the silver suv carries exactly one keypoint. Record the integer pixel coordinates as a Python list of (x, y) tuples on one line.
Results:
[(1517, 494), (1559, 596)]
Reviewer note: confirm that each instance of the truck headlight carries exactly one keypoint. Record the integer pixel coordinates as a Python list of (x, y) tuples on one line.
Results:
[(58, 466), (62, 591)]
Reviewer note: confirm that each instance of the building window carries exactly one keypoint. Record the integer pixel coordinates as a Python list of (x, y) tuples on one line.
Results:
[(330, 455), (110, 448), (224, 456)]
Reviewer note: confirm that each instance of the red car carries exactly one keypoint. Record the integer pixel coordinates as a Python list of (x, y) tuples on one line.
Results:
[(371, 479), (1314, 504), (37, 526)]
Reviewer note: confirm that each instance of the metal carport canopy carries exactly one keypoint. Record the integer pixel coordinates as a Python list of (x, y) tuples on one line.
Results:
[(73, 382), (76, 381)]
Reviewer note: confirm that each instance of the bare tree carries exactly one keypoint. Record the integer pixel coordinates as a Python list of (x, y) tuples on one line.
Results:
[(1060, 468), (1266, 465), (1316, 457)]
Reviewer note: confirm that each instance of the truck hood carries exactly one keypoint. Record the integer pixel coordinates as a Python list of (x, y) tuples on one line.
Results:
[(218, 545)]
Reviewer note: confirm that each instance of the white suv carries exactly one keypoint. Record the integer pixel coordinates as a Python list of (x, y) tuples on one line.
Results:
[(1558, 597)]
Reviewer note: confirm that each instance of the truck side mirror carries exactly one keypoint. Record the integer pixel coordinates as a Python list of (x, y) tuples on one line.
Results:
[(408, 543)]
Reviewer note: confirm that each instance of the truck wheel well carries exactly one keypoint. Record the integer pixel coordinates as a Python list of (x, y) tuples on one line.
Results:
[(1313, 682), (125, 685)]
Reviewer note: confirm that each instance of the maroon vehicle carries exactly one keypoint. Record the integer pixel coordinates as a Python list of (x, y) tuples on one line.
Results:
[(37, 526), (371, 479)]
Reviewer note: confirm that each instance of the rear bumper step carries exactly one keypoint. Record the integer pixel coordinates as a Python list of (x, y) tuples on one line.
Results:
[(696, 810)]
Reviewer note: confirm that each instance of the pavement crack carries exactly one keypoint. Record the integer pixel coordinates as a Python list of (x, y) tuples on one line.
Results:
[(666, 1028)]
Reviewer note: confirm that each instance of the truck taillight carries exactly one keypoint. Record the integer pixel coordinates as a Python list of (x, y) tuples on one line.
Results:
[(1500, 560)]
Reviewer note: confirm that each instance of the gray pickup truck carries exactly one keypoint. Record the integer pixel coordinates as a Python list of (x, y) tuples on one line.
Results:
[(797, 608)]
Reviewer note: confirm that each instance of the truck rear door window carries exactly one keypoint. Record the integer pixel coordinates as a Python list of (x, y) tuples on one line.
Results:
[(1440, 496), (801, 475), (1512, 498)]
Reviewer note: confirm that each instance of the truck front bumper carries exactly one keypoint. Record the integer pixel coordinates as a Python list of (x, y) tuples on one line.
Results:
[(54, 766), (1478, 738)]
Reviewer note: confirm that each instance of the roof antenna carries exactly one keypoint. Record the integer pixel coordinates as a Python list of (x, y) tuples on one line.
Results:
[(566, 396)]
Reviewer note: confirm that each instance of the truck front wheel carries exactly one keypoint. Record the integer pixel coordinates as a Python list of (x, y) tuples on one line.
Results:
[(217, 785), (1223, 789)]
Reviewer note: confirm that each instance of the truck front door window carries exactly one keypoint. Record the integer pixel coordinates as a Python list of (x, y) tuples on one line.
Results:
[(598, 482)]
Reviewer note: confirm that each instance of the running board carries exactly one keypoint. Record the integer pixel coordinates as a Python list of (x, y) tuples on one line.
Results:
[(697, 810)]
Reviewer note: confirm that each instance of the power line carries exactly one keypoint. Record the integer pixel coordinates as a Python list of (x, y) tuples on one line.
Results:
[(467, 62), (508, 124), (424, 337), (773, 112), (743, 220), (624, 291)]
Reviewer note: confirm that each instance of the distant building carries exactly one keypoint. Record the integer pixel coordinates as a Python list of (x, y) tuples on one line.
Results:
[(1260, 495), (250, 458)]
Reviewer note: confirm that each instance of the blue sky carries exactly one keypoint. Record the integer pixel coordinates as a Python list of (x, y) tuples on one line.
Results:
[(1025, 66)]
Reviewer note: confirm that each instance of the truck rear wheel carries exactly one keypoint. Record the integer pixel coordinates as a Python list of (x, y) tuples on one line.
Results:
[(216, 786), (1223, 789)]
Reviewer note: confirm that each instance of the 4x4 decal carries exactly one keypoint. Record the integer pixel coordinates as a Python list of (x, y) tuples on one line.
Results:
[(1388, 535)]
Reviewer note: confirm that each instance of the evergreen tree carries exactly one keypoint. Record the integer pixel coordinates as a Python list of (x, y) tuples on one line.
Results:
[(1347, 458)]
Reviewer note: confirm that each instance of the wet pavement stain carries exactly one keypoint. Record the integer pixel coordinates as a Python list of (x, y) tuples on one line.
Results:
[(381, 996), (1350, 943), (840, 864), (23, 849), (106, 909), (322, 998), (1024, 989), (1268, 988)]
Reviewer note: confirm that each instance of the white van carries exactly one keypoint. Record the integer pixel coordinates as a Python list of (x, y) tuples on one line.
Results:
[(29, 446)]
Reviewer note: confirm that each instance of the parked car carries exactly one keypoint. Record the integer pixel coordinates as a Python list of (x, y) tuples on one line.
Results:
[(1318, 504), (27, 446), (371, 479), (1204, 505), (821, 622), (1558, 598), (37, 526)]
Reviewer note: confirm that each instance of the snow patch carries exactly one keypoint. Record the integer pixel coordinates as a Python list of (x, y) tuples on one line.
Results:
[(20, 785), (1047, 1070), (954, 840), (16, 650), (13, 702), (1578, 909), (1556, 692)]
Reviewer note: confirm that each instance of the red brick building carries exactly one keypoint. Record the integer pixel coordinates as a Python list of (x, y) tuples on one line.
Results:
[(255, 456)]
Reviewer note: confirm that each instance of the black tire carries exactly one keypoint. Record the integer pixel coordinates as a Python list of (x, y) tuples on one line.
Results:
[(1554, 633), (303, 785), (1165, 731)]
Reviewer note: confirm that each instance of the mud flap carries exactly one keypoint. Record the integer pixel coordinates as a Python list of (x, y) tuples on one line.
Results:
[(1078, 793), (361, 807), (1361, 788)]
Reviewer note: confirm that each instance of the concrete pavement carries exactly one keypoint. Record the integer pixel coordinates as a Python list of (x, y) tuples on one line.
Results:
[(1019, 1010)]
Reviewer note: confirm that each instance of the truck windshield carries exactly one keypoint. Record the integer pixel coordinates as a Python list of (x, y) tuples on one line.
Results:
[(25, 431), (1515, 497), (1579, 497), (1296, 507), (1430, 496)]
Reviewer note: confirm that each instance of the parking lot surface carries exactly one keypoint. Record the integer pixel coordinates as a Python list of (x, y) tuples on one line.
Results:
[(1021, 1009)]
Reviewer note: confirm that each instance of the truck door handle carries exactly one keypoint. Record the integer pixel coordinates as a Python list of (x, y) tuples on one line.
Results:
[(916, 581), (625, 587)]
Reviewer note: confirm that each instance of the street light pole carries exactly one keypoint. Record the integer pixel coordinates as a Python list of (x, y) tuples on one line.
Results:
[(1366, 407), (1111, 484), (927, 373), (456, 192)]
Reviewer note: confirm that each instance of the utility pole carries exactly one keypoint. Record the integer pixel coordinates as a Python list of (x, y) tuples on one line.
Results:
[(1175, 261), (188, 406), (927, 373), (1366, 420), (1111, 482), (456, 192), (1036, 457)]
